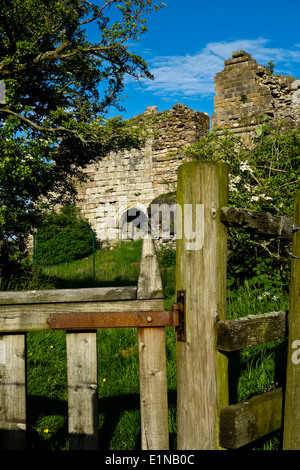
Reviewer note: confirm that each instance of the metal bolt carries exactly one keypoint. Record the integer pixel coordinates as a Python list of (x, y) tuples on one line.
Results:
[(149, 318)]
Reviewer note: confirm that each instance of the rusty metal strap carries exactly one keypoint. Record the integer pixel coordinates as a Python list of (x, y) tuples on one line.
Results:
[(90, 321), (142, 319)]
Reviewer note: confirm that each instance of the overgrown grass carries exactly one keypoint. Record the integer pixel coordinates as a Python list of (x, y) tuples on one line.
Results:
[(118, 368), (116, 267), (252, 370), (262, 368)]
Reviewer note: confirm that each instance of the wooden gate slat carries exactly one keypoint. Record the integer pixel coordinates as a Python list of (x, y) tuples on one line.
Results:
[(152, 359), (82, 390), (12, 392)]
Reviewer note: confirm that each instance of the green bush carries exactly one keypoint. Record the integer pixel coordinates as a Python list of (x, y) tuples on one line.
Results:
[(166, 256), (64, 237)]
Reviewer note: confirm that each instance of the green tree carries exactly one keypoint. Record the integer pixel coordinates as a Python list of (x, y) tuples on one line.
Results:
[(271, 66), (59, 88)]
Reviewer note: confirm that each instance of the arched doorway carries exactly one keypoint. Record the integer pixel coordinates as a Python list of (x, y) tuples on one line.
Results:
[(133, 224)]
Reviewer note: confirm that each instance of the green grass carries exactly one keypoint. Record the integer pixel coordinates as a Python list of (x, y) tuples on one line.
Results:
[(252, 370), (118, 368), (257, 369), (117, 267)]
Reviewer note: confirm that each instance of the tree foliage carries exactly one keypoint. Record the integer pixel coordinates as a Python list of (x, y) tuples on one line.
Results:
[(264, 175), (59, 88)]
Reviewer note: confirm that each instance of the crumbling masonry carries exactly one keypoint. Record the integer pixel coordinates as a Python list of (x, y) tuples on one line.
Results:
[(245, 90), (123, 185)]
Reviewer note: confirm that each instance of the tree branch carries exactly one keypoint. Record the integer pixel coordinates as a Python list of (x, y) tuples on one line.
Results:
[(238, 159), (56, 54), (95, 17), (51, 130)]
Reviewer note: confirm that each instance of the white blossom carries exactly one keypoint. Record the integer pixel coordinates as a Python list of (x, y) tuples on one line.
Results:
[(245, 167), (232, 187), (267, 198)]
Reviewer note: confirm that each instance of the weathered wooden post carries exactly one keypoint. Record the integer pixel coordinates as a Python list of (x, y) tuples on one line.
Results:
[(13, 392), (291, 425), (202, 380), (82, 390), (152, 358)]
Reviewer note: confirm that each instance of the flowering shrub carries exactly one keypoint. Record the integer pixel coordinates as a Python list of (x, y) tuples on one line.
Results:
[(264, 175)]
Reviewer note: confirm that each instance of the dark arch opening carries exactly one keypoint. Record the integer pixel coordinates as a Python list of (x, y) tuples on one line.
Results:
[(133, 224)]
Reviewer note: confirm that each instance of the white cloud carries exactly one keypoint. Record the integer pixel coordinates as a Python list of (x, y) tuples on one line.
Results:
[(193, 75)]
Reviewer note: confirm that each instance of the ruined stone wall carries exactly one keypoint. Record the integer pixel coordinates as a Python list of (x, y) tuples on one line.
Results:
[(132, 179), (245, 90)]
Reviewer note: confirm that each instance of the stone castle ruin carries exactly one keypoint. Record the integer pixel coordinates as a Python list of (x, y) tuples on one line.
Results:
[(245, 90), (122, 186)]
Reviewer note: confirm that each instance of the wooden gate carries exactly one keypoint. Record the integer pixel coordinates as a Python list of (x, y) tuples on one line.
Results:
[(81, 312), (205, 420)]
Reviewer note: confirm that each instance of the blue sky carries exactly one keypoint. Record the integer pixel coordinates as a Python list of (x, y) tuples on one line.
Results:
[(188, 41)]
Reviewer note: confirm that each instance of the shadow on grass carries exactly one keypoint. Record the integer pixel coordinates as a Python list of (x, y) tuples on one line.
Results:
[(39, 409), (110, 411), (60, 283), (237, 365)]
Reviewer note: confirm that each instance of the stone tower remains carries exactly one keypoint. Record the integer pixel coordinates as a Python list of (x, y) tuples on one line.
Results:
[(245, 90)]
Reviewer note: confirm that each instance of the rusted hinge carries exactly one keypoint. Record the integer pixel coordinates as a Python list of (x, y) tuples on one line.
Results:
[(142, 319)]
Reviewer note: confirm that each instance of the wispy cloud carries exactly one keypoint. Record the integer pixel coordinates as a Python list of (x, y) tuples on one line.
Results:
[(193, 75)]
